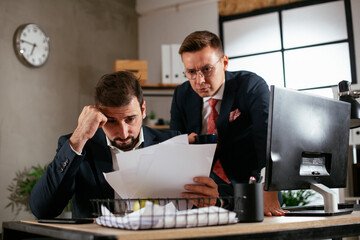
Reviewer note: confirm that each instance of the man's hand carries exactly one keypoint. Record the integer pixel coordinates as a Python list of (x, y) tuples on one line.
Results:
[(191, 138), (204, 188), (89, 121), (272, 205)]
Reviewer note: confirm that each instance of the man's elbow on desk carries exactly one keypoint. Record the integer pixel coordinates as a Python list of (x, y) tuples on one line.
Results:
[(41, 207)]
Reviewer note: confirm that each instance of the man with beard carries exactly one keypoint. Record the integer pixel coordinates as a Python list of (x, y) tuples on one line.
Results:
[(104, 131)]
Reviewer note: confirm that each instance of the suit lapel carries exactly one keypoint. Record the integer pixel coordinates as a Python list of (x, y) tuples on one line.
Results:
[(149, 138), (226, 105), (195, 113)]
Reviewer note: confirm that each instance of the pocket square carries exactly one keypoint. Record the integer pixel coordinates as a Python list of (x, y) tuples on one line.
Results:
[(234, 115)]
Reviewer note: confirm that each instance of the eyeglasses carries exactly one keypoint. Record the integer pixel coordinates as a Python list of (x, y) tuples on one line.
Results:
[(205, 71)]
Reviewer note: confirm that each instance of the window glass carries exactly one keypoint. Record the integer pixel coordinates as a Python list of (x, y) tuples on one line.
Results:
[(252, 35), (317, 66), (314, 24), (316, 46), (268, 66)]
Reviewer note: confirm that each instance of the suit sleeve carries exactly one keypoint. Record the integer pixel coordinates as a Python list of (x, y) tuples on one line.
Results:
[(55, 188), (177, 121), (259, 109)]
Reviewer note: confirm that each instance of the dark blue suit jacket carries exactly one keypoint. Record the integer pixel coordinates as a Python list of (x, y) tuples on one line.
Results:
[(80, 178), (241, 143)]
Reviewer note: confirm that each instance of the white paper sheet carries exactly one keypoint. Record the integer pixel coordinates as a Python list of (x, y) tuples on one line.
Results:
[(161, 170)]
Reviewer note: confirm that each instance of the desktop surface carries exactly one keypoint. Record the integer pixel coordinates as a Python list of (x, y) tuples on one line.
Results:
[(270, 228)]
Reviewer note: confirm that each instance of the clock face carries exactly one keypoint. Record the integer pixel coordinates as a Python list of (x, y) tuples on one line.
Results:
[(31, 45)]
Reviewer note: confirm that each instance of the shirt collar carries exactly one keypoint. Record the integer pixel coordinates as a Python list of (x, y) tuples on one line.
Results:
[(219, 94), (138, 144)]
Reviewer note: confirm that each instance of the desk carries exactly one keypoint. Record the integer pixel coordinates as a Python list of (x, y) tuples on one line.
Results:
[(270, 228)]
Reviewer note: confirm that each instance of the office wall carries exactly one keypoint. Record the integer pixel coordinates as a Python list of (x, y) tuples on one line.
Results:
[(38, 105), (163, 22), (168, 22)]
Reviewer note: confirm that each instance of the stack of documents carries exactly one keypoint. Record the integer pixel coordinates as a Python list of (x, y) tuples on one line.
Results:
[(161, 170), (155, 216)]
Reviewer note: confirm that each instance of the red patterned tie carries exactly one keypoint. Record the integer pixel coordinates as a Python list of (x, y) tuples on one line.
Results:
[(211, 129)]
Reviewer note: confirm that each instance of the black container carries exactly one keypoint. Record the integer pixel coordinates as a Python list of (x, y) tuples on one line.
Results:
[(205, 138), (248, 202)]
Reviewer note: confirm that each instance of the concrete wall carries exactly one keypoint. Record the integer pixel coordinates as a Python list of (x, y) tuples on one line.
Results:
[(38, 105)]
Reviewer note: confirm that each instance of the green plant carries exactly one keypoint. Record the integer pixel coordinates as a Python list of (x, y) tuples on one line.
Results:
[(152, 115), (296, 197), (21, 186)]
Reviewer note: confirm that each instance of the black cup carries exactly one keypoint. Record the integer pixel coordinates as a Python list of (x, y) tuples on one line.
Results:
[(205, 138), (248, 202)]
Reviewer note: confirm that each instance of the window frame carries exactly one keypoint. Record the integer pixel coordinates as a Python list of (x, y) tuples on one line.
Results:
[(279, 10)]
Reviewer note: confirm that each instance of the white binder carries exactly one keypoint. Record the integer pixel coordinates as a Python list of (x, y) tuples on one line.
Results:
[(177, 69), (166, 75)]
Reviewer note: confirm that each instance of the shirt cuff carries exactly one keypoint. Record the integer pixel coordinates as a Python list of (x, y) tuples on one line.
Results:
[(77, 153)]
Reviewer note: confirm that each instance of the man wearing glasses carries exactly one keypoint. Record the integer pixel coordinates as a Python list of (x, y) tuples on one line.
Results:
[(233, 105)]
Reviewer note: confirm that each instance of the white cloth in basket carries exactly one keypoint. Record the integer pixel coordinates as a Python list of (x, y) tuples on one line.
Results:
[(156, 216)]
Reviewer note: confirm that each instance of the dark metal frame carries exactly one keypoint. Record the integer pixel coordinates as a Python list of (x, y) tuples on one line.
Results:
[(279, 9)]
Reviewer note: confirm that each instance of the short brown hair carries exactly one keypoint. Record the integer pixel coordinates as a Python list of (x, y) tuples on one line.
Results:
[(117, 89), (199, 40)]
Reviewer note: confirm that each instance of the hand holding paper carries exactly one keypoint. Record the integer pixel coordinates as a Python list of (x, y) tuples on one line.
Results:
[(205, 189), (161, 170)]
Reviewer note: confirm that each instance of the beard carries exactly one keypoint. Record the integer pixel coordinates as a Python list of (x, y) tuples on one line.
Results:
[(125, 146)]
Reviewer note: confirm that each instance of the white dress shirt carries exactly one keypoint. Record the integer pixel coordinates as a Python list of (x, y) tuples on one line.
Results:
[(115, 152)]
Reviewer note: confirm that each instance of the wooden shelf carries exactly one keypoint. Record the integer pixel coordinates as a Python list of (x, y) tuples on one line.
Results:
[(158, 86), (158, 89), (159, 126)]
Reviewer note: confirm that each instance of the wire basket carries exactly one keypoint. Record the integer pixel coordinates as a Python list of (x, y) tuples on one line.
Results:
[(160, 213)]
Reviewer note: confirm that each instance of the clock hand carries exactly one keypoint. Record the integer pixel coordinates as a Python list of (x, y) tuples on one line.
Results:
[(32, 50), (27, 42)]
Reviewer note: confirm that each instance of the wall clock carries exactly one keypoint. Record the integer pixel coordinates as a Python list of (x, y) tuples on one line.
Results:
[(31, 45)]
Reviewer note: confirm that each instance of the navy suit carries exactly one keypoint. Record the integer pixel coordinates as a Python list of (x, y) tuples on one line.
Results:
[(241, 142), (80, 178)]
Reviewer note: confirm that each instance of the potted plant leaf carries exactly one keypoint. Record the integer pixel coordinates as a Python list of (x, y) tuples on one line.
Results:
[(21, 187), (292, 198), (152, 119)]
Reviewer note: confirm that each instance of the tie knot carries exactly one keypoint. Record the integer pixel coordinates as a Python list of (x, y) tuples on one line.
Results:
[(213, 102)]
